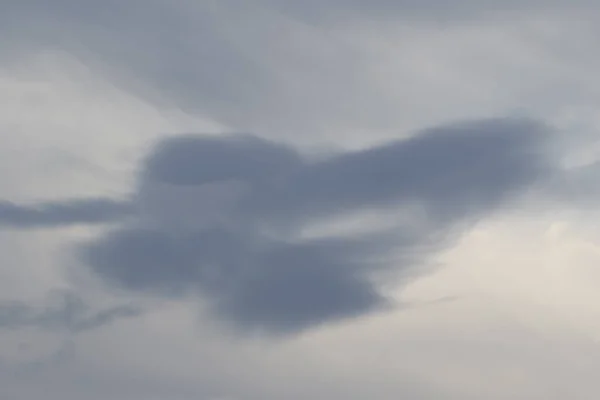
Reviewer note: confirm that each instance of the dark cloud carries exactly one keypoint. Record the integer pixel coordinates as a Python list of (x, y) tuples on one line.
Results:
[(62, 311), (450, 171), (248, 257), (86, 211), (295, 286), (226, 218), (195, 160)]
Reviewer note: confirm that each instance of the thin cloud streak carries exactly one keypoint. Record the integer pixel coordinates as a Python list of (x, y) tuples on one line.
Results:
[(61, 213), (66, 311)]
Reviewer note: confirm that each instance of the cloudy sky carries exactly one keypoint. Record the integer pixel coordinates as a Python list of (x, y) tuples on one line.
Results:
[(257, 200)]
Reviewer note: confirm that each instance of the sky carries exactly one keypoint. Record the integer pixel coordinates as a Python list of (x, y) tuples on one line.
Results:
[(342, 200)]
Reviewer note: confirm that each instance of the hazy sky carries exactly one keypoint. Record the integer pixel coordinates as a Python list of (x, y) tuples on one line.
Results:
[(276, 199)]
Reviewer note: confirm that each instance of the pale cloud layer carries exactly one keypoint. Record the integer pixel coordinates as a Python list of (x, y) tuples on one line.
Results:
[(385, 226), (257, 67)]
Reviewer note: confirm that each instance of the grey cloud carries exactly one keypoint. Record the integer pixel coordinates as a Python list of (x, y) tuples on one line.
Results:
[(296, 286), (433, 11), (194, 160), (222, 217), (454, 170), (231, 60), (52, 214), (260, 66), (253, 282), (63, 311), (185, 52), (254, 266)]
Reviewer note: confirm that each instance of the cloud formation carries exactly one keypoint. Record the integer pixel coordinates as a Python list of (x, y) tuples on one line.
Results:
[(224, 217), (98, 79)]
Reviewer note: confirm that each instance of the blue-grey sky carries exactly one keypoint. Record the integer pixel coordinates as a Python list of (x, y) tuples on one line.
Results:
[(276, 199)]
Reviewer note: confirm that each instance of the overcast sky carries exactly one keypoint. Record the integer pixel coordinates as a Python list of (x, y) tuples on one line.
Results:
[(276, 199)]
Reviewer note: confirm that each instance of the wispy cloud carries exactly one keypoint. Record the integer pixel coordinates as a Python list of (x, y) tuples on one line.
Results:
[(68, 212), (64, 311)]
